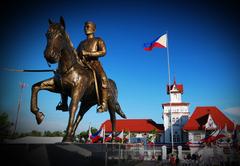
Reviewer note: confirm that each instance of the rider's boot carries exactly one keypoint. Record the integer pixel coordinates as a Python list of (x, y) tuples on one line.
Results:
[(63, 105), (103, 107)]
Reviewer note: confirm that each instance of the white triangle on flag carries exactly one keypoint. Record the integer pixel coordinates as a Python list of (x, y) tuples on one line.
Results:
[(101, 133), (120, 135), (162, 40)]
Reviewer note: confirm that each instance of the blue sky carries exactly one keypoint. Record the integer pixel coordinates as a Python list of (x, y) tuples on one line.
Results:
[(203, 46)]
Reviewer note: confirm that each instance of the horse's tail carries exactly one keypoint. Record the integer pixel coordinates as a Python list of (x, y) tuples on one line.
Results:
[(114, 91), (119, 111)]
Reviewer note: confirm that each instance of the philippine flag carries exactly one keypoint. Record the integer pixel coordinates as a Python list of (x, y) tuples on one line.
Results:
[(119, 137), (109, 138), (160, 42), (217, 134), (95, 137)]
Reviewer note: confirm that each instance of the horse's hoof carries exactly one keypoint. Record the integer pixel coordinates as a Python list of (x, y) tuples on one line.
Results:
[(39, 117)]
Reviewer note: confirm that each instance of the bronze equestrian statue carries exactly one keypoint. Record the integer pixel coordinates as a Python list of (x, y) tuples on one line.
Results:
[(91, 49), (72, 78)]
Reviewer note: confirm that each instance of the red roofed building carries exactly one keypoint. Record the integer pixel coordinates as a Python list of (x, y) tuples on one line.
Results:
[(176, 121), (137, 127), (133, 125), (199, 118), (206, 120)]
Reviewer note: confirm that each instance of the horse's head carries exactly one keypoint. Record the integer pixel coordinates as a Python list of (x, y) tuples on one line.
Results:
[(55, 41)]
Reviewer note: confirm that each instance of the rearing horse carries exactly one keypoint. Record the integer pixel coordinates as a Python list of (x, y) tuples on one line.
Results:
[(73, 79)]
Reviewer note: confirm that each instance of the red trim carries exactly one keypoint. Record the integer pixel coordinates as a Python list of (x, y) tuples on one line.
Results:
[(175, 104)]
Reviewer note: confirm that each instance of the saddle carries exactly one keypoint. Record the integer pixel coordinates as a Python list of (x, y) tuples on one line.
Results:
[(85, 63)]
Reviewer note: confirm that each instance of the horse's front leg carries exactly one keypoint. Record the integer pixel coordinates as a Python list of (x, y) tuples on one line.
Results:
[(85, 106), (42, 85), (77, 94), (112, 112)]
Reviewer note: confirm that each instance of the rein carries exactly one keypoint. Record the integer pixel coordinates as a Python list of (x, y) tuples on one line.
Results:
[(66, 71)]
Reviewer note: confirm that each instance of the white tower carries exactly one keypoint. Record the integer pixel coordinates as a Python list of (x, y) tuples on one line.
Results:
[(180, 114)]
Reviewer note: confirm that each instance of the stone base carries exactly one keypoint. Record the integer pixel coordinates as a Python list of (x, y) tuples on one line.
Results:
[(51, 154), (60, 155)]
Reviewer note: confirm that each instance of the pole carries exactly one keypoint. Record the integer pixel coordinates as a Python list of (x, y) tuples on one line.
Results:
[(104, 134), (23, 70), (89, 133), (122, 137), (170, 104), (22, 85)]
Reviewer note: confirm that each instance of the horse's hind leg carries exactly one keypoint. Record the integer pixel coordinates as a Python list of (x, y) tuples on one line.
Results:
[(42, 85)]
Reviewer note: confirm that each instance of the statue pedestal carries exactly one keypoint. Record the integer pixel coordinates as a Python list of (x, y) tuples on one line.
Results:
[(53, 154)]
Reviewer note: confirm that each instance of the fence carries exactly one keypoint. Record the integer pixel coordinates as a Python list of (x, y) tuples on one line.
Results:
[(134, 151)]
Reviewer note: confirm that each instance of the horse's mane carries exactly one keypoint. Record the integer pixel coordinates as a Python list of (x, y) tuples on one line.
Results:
[(73, 49), (70, 43)]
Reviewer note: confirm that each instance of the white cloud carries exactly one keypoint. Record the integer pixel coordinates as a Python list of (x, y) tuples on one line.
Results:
[(234, 113)]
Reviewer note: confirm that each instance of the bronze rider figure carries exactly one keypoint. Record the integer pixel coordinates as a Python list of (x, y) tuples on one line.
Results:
[(90, 50)]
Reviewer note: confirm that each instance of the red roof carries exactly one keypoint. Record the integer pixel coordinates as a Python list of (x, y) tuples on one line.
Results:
[(178, 86), (133, 125), (200, 115)]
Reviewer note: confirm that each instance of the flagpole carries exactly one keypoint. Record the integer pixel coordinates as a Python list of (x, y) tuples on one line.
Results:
[(104, 134), (129, 141), (89, 131), (21, 85), (122, 137), (170, 104)]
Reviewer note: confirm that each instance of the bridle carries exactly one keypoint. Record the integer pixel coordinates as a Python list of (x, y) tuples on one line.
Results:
[(53, 36)]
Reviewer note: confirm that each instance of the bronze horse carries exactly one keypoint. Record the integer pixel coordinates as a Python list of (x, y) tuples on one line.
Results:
[(72, 78)]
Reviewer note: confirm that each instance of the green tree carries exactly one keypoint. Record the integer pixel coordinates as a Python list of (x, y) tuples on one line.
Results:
[(154, 131), (57, 134), (47, 134), (5, 126), (84, 134), (94, 130), (36, 133), (53, 134)]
